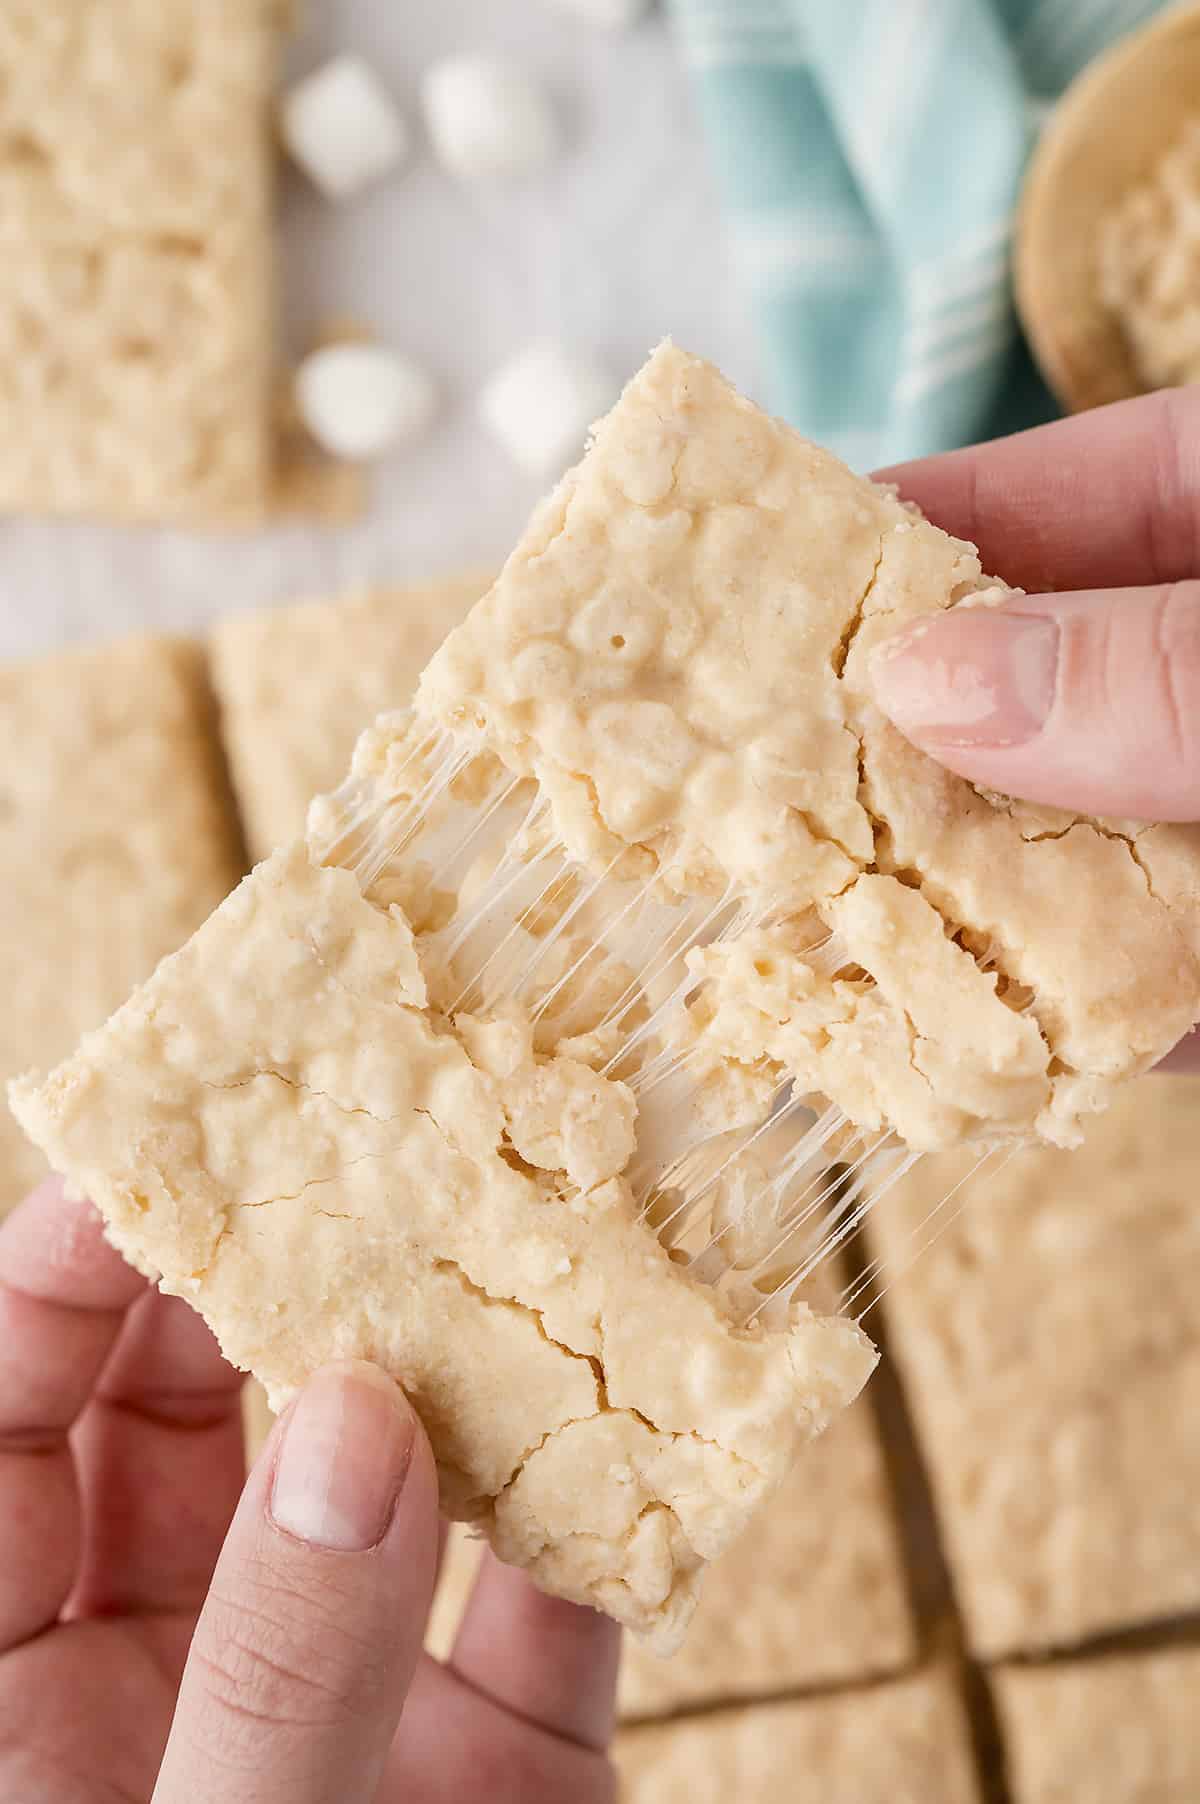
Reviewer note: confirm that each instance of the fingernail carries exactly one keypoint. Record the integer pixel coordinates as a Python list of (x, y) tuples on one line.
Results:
[(971, 677), (347, 1447)]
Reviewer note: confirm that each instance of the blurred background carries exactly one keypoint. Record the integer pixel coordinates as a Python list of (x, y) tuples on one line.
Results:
[(290, 346)]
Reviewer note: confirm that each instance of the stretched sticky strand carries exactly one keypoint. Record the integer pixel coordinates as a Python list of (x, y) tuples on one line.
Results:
[(809, 1144), (946, 1223), (481, 824), (606, 927), (836, 1237)]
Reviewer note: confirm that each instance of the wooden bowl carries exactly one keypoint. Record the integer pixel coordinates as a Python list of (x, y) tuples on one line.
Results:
[(1104, 138)]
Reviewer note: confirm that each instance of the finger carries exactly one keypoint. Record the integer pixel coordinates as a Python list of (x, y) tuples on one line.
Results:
[(1184, 1058), (551, 1662), (63, 1296), (308, 1641), (1107, 498), (1089, 702), (455, 1744), (159, 1454)]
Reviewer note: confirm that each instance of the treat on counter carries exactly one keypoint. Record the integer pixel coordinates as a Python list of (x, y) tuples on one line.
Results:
[(297, 685), (360, 401), (435, 1084), (342, 127), (1049, 1346), (1150, 265), (137, 313), (905, 1742), (116, 839), (541, 405), (487, 119), (1115, 1729), (1107, 225)]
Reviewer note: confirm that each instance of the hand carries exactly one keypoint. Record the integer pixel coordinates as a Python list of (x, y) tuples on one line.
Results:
[(270, 1658), (1085, 692)]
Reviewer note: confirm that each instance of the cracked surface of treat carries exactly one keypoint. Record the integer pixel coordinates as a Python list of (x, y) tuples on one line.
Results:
[(1149, 260), (326, 1168), (791, 1605), (116, 839), (679, 651), (1049, 1346), (905, 1742), (297, 685), (1115, 1730), (136, 327)]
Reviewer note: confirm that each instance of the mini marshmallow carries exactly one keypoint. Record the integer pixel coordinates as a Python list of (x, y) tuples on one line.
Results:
[(342, 127), (616, 14), (360, 400), (541, 405), (487, 118)]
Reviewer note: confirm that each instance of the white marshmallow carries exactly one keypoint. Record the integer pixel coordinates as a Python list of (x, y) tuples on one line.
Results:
[(541, 405), (358, 401), (342, 127), (616, 14), (487, 118)]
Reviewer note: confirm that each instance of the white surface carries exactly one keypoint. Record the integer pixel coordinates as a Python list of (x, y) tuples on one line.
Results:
[(542, 403), (487, 119), (361, 400), (342, 127), (617, 244), (616, 14)]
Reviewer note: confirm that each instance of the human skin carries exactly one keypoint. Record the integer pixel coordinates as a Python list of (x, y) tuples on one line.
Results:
[(1090, 681), (127, 1538)]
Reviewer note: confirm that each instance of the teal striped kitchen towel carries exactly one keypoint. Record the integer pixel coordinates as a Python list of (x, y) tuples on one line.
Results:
[(871, 154)]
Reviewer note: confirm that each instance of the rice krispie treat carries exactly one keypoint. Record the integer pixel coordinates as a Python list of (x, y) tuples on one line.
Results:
[(1115, 1730), (297, 685), (1149, 259), (450, 1083), (679, 650), (116, 839), (136, 322), (1050, 1349), (906, 1742)]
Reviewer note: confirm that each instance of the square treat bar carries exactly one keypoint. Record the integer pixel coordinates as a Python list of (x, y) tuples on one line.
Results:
[(117, 837), (1111, 1730), (1050, 1349), (394, 1098), (297, 685), (326, 1166), (903, 1742), (136, 318), (815, 1593)]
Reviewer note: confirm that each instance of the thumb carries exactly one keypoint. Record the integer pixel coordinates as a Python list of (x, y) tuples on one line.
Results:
[(1088, 701), (312, 1629)]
